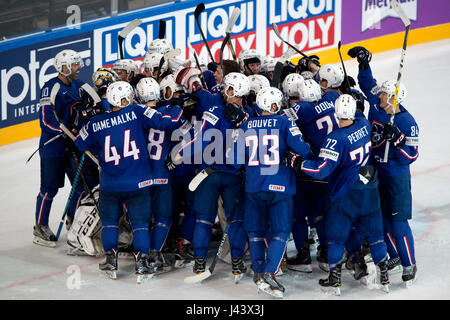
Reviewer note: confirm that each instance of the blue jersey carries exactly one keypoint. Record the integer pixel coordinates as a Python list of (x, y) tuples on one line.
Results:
[(267, 138), (315, 121), (159, 143), (398, 159), (65, 98), (120, 140), (343, 152)]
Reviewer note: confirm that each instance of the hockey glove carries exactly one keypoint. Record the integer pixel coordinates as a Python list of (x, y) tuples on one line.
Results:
[(393, 134), (189, 78), (363, 56), (304, 64), (359, 100), (212, 66), (292, 160), (168, 163), (235, 114)]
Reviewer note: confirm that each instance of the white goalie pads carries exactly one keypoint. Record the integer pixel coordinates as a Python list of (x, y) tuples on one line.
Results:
[(83, 237)]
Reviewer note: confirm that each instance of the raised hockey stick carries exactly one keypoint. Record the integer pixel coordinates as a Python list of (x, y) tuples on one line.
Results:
[(162, 29), (202, 78), (277, 32), (222, 48), (208, 273), (398, 9), (276, 82), (198, 10), (343, 66), (72, 190), (124, 32), (231, 22)]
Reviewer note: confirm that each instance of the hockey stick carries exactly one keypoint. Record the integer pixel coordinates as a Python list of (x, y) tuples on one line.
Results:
[(198, 63), (276, 82), (231, 22), (208, 273), (202, 175), (162, 29), (398, 9), (343, 66), (198, 10), (66, 208), (46, 143), (222, 48), (275, 29), (124, 32)]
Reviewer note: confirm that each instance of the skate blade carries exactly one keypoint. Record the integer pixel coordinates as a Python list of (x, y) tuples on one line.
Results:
[(273, 293), (44, 243), (336, 291), (384, 288), (395, 270), (198, 277), (409, 283), (142, 278), (306, 268), (369, 281)]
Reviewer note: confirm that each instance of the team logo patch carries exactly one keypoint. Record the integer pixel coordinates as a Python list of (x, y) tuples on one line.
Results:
[(145, 183), (210, 118), (329, 154), (274, 187)]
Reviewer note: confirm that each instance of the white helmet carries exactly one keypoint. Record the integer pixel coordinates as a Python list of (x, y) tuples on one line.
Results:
[(169, 82), (126, 64), (268, 63), (67, 58), (239, 82), (249, 56), (333, 74), (345, 107), (258, 82), (152, 61), (147, 89), (161, 46), (104, 77), (267, 97), (292, 83), (117, 91), (310, 91), (389, 86)]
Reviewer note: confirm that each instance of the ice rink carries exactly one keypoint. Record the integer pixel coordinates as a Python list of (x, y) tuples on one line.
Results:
[(28, 271)]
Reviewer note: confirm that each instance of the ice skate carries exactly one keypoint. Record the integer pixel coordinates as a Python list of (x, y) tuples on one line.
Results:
[(394, 265), (359, 266), (199, 265), (322, 258), (333, 283), (143, 270), (409, 275), (260, 279), (110, 266), (43, 236), (238, 269), (302, 261), (155, 260), (384, 276)]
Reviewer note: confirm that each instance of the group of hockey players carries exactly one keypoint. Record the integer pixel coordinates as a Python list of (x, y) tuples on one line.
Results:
[(157, 151)]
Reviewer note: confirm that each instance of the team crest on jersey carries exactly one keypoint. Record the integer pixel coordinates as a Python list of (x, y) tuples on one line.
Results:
[(377, 134)]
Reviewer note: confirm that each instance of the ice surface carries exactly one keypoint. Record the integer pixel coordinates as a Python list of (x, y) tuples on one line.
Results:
[(28, 271)]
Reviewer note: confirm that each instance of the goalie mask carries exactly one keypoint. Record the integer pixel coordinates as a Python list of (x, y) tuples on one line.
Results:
[(118, 91), (267, 97), (104, 77)]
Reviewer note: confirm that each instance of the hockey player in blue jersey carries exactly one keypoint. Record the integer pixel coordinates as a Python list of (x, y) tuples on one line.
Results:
[(315, 117), (269, 187), (159, 145), (353, 190), (213, 142), (56, 157), (250, 61), (394, 175), (119, 138)]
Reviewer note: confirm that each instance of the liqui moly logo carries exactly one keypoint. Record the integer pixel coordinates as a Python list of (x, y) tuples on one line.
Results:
[(374, 11), (310, 25), (213, 22)]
